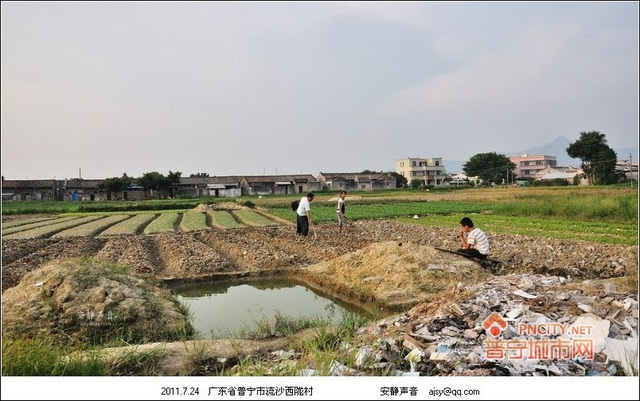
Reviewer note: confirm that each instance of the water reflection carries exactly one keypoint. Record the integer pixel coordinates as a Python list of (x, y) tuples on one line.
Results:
[(223, 309)]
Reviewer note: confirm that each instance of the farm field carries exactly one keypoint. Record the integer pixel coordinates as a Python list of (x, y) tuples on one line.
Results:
[(230, 234), (601, 215), (256, 237)]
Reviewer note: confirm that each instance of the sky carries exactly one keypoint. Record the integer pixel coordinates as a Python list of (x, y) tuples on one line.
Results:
[(100, 89)]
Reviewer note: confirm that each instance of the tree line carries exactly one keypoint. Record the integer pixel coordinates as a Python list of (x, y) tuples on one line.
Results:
[(159, 184), (598, 162)]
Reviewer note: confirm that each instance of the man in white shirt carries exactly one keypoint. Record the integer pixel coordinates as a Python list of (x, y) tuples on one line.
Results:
[(340, 211), (476, 244), (303, 220)]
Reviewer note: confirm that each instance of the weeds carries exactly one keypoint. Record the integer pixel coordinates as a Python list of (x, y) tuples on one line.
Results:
[(46, 357), (137, 363)]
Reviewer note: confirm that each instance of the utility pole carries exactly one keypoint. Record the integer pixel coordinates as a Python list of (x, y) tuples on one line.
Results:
[(630, 171), (507, 174)]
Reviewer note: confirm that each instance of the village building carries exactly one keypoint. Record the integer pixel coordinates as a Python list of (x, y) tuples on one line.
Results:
[(430, 171), (528, 165), (357, 181)]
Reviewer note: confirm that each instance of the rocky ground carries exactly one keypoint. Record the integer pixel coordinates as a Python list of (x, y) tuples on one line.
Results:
[(442, 299)]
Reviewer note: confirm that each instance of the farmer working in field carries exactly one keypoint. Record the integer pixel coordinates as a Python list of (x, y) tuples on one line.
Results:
[(476, 244), (303, 213), (340, 211)]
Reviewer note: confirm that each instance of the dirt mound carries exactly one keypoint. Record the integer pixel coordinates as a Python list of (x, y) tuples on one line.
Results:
[(89, 301), (396, 273), (202, 208)]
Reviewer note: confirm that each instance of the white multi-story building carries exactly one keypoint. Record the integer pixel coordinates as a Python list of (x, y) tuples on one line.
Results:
[(429, 171)]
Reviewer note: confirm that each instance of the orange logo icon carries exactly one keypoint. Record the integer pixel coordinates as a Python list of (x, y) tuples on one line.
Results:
[(494, 324)]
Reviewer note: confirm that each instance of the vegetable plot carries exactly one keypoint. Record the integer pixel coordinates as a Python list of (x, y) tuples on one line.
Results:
[(164, 223), (251, 218), (93, 228), (130, 226), (49, 230), (23, 227), (223, 219), (193, 221)]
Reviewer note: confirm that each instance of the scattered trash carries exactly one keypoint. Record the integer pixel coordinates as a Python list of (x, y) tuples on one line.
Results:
[(524, 294), (414, 357)]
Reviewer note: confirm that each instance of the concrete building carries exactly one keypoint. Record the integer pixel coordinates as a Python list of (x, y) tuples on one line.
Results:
[(219, 187), (571, 174), (628, 169), (461, 179), (357, 181), (528, 165), (429, 171), (278, 184)]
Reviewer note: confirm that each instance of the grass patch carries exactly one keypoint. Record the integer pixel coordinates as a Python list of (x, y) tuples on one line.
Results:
[(137, 363), (45, 357)]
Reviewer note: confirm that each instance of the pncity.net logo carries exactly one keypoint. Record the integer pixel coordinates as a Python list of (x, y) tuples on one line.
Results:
[(545, 340)]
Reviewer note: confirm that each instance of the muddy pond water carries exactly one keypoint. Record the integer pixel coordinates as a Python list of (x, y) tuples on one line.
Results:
[(222, 309)]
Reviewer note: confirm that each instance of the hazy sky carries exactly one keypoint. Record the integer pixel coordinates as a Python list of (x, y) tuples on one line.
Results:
[(287, 88)]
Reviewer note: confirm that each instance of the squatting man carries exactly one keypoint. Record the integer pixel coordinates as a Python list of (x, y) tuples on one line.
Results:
[(476, 243)]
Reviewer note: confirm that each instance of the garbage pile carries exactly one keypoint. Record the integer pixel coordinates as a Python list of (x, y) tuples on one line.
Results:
[(525, 325)]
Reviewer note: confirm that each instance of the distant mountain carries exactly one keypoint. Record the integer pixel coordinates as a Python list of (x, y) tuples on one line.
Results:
[(558, 148)]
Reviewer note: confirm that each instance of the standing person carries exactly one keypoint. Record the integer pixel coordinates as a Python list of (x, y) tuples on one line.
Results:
[(340, 211), (476, 244), (303, 220)]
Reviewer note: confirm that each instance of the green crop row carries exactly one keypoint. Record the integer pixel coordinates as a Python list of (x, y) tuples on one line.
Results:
[(164, 223), (43, 223), (193, 221), (24, 222), (223, 219), (130, 226), (49, 207), (48, 230), (91, 229), (251, 218)]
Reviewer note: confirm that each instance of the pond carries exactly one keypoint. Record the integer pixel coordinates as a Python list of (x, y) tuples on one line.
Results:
[(225, 309)]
